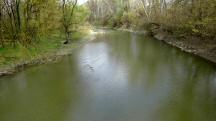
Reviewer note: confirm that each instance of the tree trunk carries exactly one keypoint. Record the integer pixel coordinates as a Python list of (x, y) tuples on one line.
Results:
[(68, 13)]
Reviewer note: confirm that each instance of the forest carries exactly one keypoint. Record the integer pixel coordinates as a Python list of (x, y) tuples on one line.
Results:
[(25, 21), (28, 24), (195, 17)]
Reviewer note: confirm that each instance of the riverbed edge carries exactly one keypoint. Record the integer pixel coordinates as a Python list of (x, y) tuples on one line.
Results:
[(208, 54), (197, 46), (158, 34), (46, 58), (50, 57)]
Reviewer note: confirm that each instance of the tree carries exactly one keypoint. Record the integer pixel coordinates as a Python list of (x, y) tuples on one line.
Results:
[(12, 10), (1, 28), (68, 7)]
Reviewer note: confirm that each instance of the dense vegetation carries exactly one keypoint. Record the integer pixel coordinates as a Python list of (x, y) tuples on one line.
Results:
[(26, 21), (191, 17)]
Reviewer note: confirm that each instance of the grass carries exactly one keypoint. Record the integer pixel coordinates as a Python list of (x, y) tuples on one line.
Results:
[(45, 46)]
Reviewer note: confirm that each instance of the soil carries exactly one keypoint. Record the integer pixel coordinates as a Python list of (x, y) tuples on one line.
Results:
[(202, 47)]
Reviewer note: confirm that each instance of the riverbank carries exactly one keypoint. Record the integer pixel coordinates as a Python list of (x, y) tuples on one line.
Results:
[(47, 50), (53, 50), (202, 47)]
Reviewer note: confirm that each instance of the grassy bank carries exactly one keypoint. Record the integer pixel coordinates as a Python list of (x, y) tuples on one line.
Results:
[(48, 48)]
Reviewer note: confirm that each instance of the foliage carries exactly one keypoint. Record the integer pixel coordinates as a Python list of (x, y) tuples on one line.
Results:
[(26, 21), (193, 17), (81, 15)]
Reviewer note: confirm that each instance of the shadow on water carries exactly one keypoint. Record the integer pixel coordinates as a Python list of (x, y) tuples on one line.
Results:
[(120, 76)]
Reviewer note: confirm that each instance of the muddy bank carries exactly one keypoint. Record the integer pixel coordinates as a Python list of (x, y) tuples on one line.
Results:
[(124, 29), (202, 47), (132, 30)]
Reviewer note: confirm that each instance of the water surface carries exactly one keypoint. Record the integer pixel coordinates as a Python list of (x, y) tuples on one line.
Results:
[(120, 76)]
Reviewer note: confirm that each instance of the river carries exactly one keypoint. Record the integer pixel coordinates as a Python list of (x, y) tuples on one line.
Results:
[(120, 76)]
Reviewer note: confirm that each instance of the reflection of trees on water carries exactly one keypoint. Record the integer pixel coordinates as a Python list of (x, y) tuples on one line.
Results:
[(192, 97), (188, 82)]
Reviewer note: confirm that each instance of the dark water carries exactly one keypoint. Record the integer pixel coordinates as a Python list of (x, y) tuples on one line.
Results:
[(119, 77)]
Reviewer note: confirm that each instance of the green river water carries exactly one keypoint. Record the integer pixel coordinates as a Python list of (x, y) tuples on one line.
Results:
[(120, 76)]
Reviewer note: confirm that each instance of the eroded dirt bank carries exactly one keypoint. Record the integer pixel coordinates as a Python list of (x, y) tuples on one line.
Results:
[(202, 47)]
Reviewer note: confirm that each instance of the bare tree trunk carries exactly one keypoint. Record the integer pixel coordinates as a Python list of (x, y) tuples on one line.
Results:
[(145, 9)]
